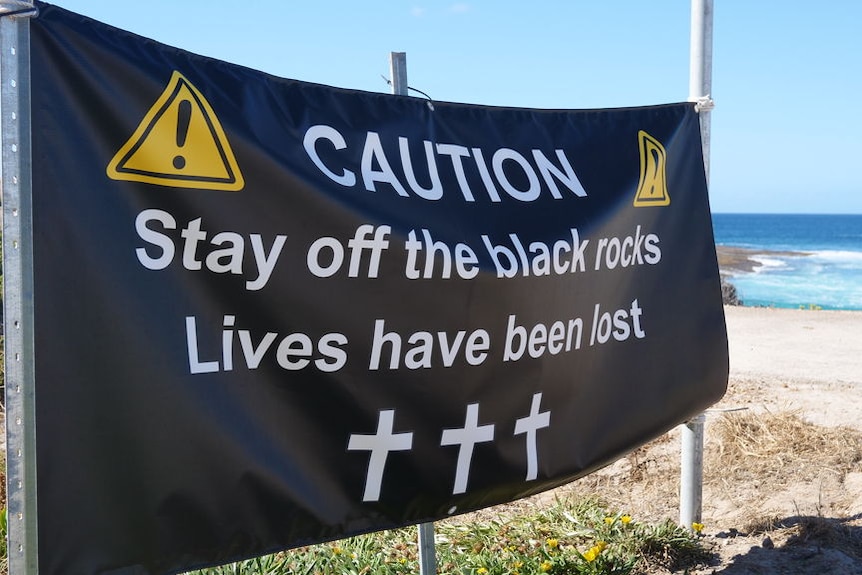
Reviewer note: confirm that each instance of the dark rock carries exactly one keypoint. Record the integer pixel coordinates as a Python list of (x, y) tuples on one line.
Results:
[(729, 295)]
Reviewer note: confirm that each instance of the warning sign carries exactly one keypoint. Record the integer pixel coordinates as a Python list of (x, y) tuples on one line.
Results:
[(652, 186), (179, 143), (394, 295)]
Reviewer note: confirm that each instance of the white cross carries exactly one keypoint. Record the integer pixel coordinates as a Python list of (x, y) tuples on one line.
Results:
[(530, 425), (467, 437), (379, 444)]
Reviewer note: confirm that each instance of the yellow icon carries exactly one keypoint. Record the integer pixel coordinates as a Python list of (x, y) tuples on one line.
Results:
[(179, 143), (652, 186)]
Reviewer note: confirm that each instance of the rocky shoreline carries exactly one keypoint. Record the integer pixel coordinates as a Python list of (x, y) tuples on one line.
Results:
[(735, 260)]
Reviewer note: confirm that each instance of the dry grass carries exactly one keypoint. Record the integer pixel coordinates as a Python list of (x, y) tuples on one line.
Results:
[(781, 448), (772, 451), (749, 459)]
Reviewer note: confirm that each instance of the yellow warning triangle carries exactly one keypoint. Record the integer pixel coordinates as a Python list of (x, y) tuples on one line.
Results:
[(179, 143), (652, 186)]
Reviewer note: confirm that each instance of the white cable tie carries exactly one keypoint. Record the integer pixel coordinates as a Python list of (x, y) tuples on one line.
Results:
[(704, 104)]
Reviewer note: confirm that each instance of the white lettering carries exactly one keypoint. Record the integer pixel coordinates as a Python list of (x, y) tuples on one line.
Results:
[(534, 188), (373, 151), (155, 238), (456, 153), (265, 262), (435, 192), (421, 345), (227, 257), (233, 254), (195, 364), (567, 175), (314, 133), (523, 178)]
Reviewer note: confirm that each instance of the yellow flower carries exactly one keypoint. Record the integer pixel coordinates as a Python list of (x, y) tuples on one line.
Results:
[(594, 551), (337, 551), (552, 543), (626, 519), (545, 567), (697, 527), (518, 564), (609, 520), (481, 571)]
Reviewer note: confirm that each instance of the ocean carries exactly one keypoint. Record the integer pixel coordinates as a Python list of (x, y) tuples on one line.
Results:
[(822, 270)]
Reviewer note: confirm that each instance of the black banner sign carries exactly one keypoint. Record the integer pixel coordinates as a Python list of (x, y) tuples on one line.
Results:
[(270, 313)]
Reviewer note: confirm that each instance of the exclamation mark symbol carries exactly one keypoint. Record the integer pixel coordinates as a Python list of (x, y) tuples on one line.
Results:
[(184, 116)]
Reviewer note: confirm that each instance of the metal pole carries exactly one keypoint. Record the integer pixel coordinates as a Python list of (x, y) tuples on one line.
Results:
[(691, 475), (700, 69), (427, 553), (700, 89), (18, 278), (398, 71)]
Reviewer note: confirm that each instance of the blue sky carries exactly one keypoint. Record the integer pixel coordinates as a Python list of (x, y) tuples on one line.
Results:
[(787, 75)]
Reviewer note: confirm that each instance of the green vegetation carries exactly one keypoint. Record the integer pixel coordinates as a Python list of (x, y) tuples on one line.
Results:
[(576, 537), (4, 532)]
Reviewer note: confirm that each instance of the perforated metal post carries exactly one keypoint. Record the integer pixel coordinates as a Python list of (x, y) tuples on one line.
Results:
[(18, 285)]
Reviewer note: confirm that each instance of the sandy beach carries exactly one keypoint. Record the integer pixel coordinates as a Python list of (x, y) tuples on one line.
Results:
[(783, 450), (806, 359)]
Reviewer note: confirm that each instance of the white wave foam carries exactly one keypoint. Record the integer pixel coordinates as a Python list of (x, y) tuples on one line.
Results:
[(767, 263), (839, 256)]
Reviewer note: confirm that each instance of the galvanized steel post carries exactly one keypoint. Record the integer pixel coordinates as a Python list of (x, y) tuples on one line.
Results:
[(700, 69), (691, 475), (398, 71), (18, 280), (427, 551), (700, 88)]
